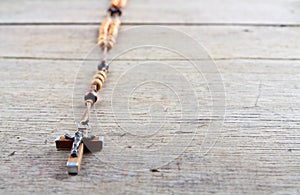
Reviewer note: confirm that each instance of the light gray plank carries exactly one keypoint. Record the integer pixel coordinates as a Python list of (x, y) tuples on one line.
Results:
[(154, 11), (257, 151), (78, 42), (45, 70)]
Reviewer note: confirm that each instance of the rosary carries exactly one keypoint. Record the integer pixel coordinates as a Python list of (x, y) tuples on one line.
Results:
[(108, 33)]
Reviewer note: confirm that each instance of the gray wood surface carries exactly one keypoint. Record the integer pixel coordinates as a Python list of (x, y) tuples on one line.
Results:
[(249, 145), (154, 11), (75, 42)]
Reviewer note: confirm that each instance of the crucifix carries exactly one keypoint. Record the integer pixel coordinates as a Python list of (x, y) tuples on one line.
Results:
[(81, 142), (77, 145)]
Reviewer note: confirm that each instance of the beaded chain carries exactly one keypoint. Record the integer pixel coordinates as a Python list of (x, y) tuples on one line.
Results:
[(108, 33)]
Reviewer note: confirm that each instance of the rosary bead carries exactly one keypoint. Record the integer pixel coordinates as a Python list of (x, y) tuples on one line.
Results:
[(101, 72), (91, 95), (103, 65), (113, 11), (98, 83), (118, 3)]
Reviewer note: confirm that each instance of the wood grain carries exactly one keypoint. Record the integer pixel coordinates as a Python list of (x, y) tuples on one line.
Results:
[(256, 152), (74, 163), (77, 42), (246, 139), (253, 12)]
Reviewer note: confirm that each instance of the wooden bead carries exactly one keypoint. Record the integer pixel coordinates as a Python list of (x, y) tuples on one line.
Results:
[(114, 3), (100, 77), (118, 3), (98, 80), (103, 32), (113, 32), (93, 87), (98, 83), (123, 3), (116, 24), (111, 42), (101, 72)]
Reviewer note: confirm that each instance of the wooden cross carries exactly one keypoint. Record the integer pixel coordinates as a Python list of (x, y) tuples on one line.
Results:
[(78, 144)]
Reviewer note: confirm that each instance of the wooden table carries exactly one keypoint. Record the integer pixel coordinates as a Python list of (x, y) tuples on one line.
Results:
[(256, 48)]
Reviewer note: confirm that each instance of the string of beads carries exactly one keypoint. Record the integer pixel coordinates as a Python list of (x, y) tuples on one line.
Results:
[(108, 33)]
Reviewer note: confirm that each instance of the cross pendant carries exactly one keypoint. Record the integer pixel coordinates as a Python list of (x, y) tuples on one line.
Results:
[(78, 144)]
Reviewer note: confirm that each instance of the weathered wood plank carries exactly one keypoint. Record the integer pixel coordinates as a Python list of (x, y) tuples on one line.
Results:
[(154, 11), (44, 76), (257, 152), (75, 42)]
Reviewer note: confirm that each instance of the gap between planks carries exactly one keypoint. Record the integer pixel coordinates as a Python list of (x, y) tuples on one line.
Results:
[(150, 59), (146, 24)]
